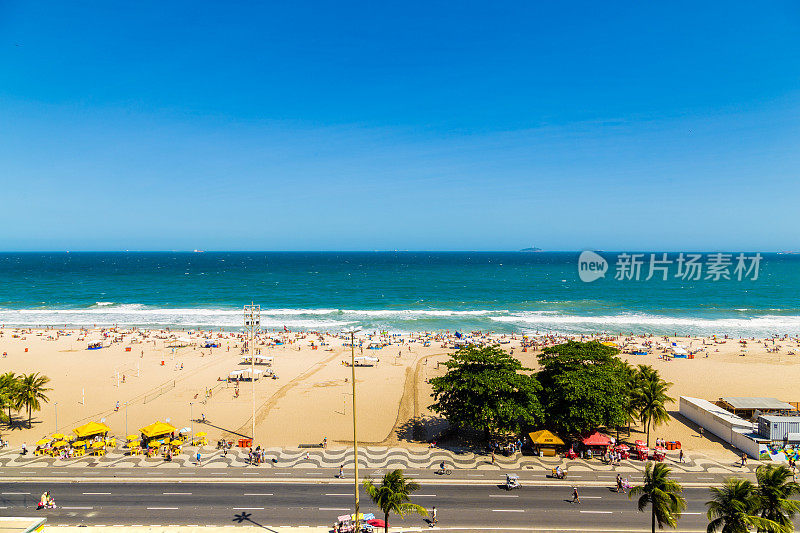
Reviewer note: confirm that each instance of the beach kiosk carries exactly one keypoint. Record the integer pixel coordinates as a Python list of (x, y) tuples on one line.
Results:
[(92, 429), (156, 435), (545, 443), (596, 443)]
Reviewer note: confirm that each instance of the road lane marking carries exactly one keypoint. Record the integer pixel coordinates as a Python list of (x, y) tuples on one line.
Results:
[(177, 493), (503, 496), (163, 508), (334, 508), (16, 493), (508, 510), (258, 494), (597, 512), (250, 473), (339, 494), (248, 508), (591, 497), (425, 495), (96, 493), (692, 513), (77, 507)]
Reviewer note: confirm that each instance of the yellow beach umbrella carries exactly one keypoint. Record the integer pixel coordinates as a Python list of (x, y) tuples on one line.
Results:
[(99, 445), (176, 442), (133, 437), (58, 436), (200, 434), (79, 444), (59, 444), (43, 442), (132, 445), (157, 428), (91, 429)]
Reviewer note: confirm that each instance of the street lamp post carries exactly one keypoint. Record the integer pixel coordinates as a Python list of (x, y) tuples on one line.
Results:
[(352, 332), (252, 321)]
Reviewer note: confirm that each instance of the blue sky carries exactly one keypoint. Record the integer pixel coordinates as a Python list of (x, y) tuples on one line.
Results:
[(376, 125)]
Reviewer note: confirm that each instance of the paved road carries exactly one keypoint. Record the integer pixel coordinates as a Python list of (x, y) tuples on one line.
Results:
[(311, 504)]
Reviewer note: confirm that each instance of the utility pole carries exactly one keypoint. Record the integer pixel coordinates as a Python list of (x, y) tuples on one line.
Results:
[(352, 332), (252, 321)]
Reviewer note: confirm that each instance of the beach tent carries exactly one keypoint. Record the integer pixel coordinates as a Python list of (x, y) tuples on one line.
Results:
[(91, 429), (157, 429), (596, 438)]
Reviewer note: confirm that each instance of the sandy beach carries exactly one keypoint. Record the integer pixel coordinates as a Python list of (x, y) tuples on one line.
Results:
[(168, 375)]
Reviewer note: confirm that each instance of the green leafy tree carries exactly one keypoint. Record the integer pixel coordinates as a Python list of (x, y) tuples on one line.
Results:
[(733, 508), (487, 389), (650, 398), (774, 494), (393, 494), (584, 386), (31, 392), (662, 494)]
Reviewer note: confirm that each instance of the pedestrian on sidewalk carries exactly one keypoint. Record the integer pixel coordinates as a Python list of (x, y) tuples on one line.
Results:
[(680, 456), (198, 458), (744, 460), (341, 471)]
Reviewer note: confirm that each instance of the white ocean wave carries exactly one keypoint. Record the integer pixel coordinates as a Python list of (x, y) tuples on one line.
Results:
[(404, 319)]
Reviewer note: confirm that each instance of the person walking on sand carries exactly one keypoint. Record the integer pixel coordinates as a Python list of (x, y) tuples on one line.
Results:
[(575, 497)]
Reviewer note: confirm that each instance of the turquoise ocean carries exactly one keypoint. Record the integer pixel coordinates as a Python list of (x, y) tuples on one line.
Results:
[(397, 291)]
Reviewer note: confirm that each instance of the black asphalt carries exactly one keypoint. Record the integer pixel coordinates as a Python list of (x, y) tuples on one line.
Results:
[(314, 504)]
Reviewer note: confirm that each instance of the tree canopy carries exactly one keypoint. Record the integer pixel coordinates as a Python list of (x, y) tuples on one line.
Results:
[(584, 386), (486, 388)]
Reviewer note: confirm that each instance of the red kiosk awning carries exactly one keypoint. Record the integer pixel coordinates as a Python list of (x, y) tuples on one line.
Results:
[(596, 439)]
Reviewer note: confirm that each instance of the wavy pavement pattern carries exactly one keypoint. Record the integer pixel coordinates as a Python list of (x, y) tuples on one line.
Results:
[(369, 457)]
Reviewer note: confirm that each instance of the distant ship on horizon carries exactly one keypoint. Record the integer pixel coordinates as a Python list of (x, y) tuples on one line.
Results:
[(531, 249)]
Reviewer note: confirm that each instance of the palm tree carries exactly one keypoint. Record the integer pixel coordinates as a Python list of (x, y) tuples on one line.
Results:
[(662, 493), (734, 509), (392, 495), (8, 392), (651, 398), (774, 493), (30, 392), (630, 406)]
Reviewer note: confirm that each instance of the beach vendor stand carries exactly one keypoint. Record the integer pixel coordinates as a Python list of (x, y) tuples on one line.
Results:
[(597, 443), (347, 523), (545, 443), (156, 435), (92, 430)]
